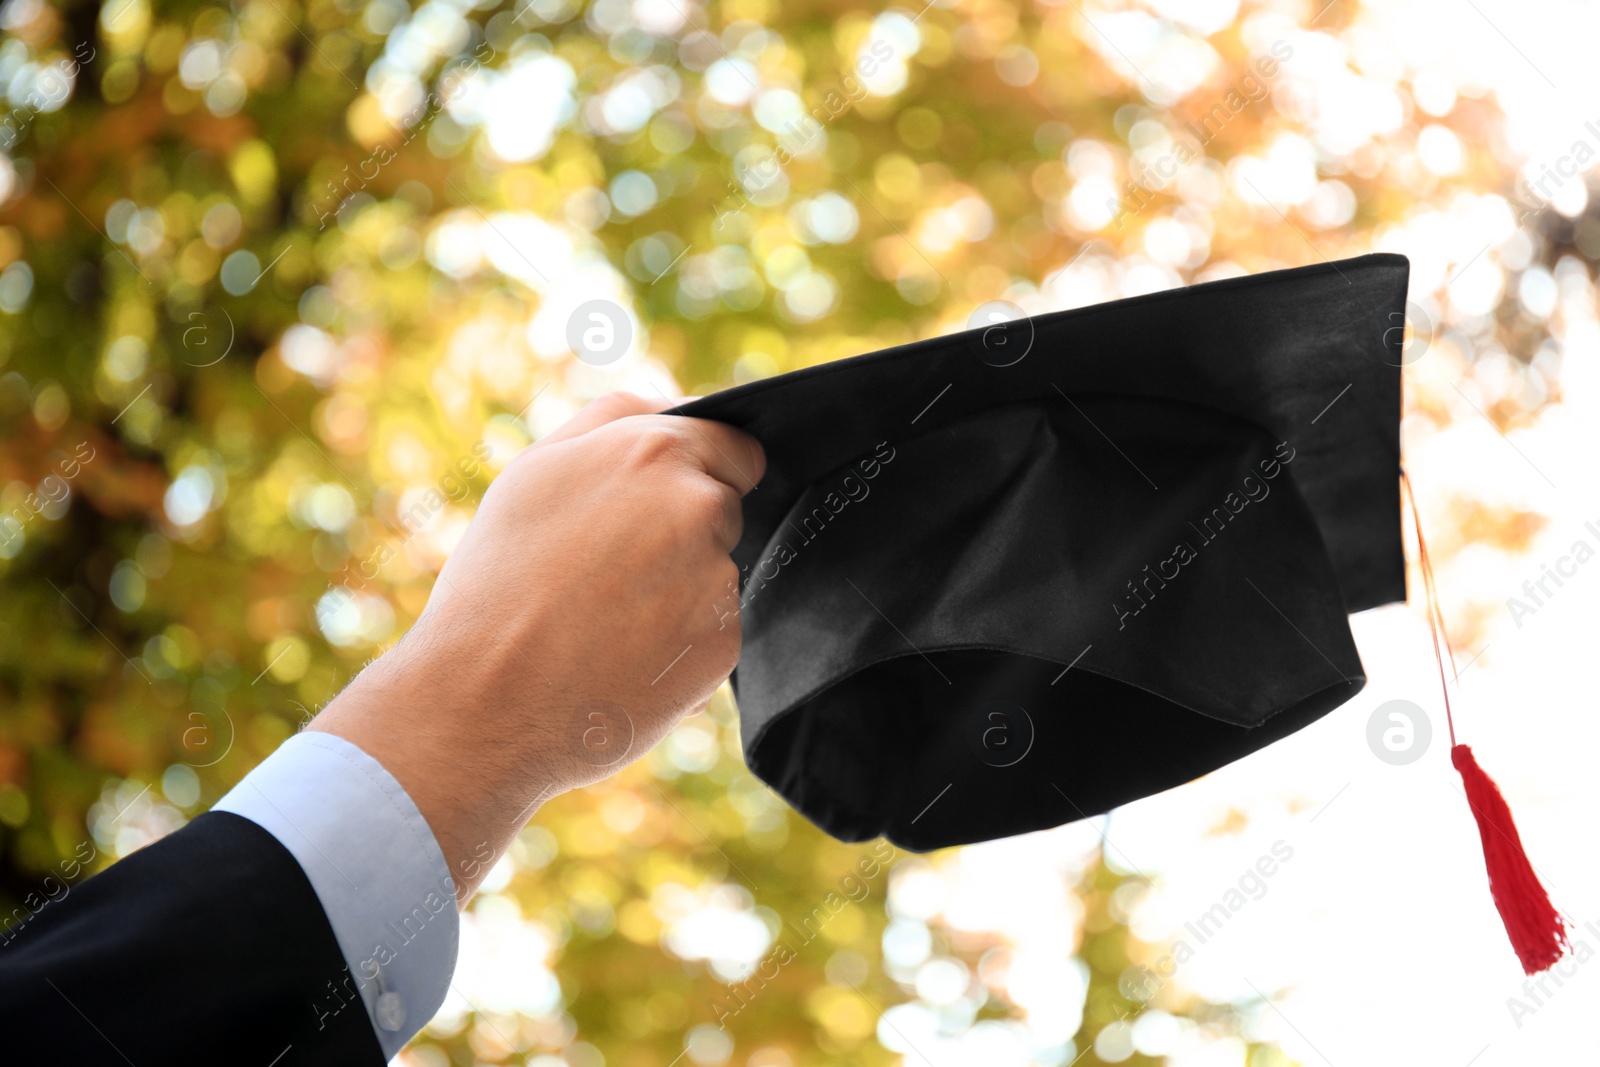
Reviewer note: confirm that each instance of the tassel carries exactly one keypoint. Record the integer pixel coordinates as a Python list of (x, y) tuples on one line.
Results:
[(1538, 932)]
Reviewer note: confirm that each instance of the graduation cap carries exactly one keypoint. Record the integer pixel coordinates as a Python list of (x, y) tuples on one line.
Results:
[(1010, 578)]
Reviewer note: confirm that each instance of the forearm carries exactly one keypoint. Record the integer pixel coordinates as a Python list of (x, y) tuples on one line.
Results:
[(422, 713)]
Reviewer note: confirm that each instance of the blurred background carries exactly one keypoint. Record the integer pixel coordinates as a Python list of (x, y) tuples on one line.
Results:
[(277, 276)]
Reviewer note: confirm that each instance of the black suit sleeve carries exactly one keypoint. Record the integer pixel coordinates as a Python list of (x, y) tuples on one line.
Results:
[(208, 946)]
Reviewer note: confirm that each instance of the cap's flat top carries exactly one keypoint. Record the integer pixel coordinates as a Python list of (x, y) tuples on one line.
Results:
[(1310, 354)]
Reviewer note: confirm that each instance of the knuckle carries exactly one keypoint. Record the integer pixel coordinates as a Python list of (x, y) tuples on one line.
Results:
[(729, 605), (707, 504), (726, 644), (728, 578), (728, 648), (758, 458), (619, 400), (654, 442), (723, 589)]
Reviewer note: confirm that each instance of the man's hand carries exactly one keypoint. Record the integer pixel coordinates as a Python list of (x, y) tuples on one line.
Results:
[(591, 604)]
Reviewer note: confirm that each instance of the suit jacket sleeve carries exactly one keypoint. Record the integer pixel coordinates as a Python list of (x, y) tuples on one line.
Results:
[(208, 946)]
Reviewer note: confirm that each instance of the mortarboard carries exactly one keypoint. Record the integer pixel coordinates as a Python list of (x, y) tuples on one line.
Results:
[(1009, 578)]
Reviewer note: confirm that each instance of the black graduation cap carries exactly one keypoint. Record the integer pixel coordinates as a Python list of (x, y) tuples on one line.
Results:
[(1010, 578), (1005, 579)]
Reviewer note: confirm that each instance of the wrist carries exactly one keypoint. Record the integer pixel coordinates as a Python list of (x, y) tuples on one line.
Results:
[(474, 787)]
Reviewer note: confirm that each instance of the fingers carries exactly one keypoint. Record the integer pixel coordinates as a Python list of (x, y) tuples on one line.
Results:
[(701, 468), (731, 460), (604, 409), (731, 456), (730, 516)]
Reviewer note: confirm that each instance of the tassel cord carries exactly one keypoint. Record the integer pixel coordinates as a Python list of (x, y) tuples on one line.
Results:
[(1435, 616), (1537, 931)]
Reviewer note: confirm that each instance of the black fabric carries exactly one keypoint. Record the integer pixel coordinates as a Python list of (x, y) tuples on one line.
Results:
[(208, 946), (938, 537)]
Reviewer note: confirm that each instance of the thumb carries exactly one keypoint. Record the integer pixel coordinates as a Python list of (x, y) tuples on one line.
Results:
[(604, 409)]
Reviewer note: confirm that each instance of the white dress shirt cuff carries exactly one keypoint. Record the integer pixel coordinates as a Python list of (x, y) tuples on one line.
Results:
[(375, 866)]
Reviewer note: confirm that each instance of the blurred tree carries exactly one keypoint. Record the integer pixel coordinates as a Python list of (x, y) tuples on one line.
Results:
[(283, 285)]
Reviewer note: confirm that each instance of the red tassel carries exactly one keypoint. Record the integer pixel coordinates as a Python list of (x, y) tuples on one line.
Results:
[(1537, 931)]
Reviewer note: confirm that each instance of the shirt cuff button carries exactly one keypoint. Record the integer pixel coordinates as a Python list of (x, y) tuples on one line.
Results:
[(391, 1011)]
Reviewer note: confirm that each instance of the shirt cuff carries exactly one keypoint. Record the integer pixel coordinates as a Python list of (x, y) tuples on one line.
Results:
[(375, 866)]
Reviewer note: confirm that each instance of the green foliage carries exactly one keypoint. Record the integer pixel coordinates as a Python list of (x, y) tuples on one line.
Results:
[(279, 275)]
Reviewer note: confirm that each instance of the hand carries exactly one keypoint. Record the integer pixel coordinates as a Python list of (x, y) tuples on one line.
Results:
[(591, 605)]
